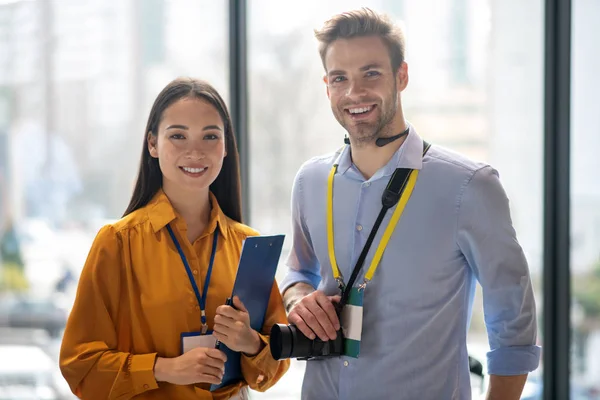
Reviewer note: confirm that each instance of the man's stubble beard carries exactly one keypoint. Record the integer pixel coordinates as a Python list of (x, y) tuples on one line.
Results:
[(370, 132)]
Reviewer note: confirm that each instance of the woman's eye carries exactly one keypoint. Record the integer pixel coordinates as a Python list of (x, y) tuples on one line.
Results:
[(177, 136)]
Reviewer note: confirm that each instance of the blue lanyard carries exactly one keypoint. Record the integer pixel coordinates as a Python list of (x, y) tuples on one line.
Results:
[(201, 299)]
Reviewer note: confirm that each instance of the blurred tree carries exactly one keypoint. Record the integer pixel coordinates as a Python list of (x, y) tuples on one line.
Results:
[(10, 247), (586, 295), (587, 292), (12, 276)]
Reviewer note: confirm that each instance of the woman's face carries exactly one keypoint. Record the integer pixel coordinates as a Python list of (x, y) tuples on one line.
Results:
[(189, 145)]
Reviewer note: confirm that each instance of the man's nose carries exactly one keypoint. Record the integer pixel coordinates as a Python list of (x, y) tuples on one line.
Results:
[(356, 90)]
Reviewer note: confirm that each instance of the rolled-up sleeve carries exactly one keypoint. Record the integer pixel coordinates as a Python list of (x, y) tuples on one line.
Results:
[(487, 239), (302, 262)]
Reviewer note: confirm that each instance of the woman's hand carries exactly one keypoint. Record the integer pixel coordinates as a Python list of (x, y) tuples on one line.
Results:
[(199, 365), (232, 328)]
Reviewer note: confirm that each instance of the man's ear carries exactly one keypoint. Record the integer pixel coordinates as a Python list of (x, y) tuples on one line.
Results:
[(326, 84), (402, 76), (151, 140)]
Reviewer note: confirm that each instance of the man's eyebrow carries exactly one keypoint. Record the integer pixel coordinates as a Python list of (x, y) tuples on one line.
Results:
[(370, 66), (336, 72), (365, 68)]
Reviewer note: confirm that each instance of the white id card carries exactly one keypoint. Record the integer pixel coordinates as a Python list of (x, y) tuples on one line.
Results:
[(192, 340)]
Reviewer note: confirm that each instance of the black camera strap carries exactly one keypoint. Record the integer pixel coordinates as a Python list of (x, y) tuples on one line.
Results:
[(389, 199)]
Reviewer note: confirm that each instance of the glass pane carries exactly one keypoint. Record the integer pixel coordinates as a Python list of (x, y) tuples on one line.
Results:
[(77, 79), (585, 202), (476, 76)]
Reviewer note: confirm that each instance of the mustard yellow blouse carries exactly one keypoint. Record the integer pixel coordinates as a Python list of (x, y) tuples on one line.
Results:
[(135, 299)]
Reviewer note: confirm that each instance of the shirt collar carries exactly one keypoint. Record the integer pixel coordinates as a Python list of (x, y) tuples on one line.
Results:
[(161, 213), (409, 155)]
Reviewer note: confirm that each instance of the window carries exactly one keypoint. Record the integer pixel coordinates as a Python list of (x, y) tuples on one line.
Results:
[(585, 202)]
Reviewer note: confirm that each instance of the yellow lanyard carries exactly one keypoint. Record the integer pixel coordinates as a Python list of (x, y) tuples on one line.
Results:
[(412, 179)]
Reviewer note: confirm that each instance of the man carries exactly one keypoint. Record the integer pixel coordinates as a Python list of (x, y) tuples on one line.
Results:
[(454, 230)]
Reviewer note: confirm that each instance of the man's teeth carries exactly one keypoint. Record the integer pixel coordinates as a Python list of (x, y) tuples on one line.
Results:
[(193, 170), (360, 110)]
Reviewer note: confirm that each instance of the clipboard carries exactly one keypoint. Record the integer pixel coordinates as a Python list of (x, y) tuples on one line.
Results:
[(253, 285)]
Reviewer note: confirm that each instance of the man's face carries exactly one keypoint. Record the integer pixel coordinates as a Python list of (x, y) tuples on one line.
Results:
[(362, 88)]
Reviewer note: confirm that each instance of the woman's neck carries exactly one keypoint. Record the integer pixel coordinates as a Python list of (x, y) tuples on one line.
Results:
[(194, 208)]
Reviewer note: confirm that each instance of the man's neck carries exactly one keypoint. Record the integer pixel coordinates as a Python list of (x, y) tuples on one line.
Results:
[(369, 158), (194, 207)]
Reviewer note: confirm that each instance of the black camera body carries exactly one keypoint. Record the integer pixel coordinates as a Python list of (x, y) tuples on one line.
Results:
[(287, 341)]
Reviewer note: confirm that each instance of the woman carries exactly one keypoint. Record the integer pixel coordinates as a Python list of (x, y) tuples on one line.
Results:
[(155, 282)]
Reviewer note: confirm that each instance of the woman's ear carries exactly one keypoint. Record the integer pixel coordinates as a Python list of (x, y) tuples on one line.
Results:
[(152, 139)]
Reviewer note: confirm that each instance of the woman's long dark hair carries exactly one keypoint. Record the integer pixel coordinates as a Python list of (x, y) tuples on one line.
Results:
[(227, 186)]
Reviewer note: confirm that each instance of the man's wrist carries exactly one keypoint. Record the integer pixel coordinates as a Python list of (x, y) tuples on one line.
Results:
[(295, 293), (506, 387)]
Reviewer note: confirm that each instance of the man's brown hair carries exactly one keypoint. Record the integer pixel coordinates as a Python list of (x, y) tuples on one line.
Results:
[(360, 23)]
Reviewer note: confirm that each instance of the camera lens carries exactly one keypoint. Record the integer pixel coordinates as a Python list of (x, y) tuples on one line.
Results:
[(287, 341), (281, 341)]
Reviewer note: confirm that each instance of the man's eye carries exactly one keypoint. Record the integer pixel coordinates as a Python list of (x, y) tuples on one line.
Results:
[(339, 79), (373, 73)]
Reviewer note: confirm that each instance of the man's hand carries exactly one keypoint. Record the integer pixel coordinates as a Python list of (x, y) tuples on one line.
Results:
[(199, 365), (232, 328), (313, 313)]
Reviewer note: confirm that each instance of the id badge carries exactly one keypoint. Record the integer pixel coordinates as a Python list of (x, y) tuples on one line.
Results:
[(192, 340), (352, 316)]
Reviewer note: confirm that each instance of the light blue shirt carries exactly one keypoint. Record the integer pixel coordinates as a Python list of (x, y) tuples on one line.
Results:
[(455, 230)]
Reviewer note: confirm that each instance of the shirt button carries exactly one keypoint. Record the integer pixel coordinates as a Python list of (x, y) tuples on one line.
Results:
[(195, 272), (359, 228), (346, 363), (367, 184), (197, 308), (146, 386)]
